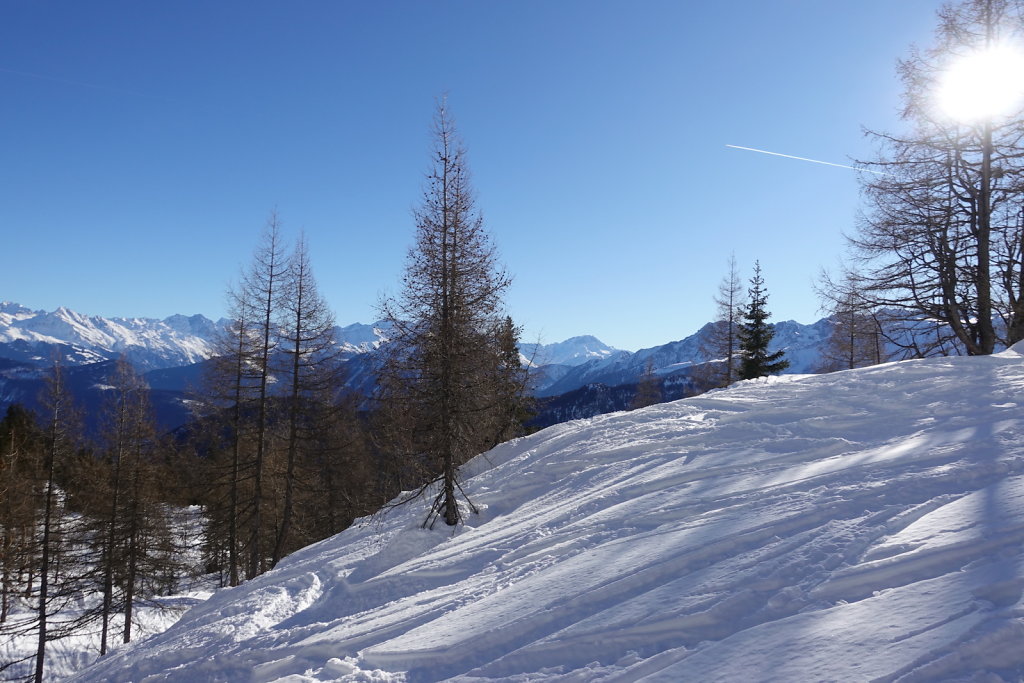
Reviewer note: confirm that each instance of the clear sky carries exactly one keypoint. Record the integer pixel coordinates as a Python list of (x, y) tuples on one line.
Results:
[(143, 144)]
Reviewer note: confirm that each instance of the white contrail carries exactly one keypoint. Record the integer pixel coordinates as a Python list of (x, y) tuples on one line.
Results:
[(813, 161)]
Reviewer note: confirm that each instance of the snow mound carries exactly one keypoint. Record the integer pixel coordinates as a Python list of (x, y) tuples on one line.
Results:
[(856, 526)]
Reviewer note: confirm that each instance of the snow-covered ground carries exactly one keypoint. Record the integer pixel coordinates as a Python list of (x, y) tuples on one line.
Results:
[(71, 653), (864, 525)]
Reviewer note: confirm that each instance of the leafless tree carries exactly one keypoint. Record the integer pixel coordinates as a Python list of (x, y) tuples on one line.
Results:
[(942, 236), (856, 338), (61, 437), (720, 344), (262, 288), (439, 381), (20, 467), (312, 368)]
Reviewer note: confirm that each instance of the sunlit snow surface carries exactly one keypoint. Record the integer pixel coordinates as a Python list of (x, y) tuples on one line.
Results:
[(865, 525)]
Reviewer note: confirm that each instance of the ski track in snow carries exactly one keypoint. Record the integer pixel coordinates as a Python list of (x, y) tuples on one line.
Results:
[(864, 525)]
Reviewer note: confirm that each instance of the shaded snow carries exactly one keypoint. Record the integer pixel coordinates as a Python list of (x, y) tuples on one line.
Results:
[(864, 525)]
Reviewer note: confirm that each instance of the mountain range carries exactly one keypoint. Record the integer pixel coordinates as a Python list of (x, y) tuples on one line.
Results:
[(33, 336), (577, 377)]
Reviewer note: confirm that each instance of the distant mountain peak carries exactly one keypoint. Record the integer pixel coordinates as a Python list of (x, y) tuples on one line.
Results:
[(12, 308), (573, 351), (359, 338), (149, 343)]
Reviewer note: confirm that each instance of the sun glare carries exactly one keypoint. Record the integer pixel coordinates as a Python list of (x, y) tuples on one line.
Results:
[(983, 85)]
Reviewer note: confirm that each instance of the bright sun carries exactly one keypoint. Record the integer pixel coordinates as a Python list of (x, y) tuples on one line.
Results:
[(983, 84)]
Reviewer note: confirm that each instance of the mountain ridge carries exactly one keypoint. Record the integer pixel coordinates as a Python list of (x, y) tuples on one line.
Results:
[(566, 376), (154, 343), (149, 343)]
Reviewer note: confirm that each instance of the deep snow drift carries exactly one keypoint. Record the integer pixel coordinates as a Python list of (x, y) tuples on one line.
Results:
[(864, 525)]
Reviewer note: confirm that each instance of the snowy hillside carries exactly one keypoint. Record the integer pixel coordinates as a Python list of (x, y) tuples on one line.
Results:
[(864, 525), (68, 654)]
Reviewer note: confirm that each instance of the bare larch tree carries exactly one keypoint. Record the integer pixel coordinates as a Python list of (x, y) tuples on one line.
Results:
[(439, 382)]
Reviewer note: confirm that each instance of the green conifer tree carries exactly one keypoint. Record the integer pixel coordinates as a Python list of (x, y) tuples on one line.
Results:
[(756, 333)]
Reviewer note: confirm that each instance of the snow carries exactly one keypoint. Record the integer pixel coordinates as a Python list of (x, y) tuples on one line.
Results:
[(178, 340), (572, 352), (358, 338), (862, 525), (152, 615)]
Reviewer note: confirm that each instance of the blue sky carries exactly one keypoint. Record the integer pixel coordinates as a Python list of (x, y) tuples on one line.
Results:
[(143, 144)]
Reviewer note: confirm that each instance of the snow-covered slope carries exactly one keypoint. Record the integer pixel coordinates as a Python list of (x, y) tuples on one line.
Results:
[(864, 525), (69, 653), (147, 342)]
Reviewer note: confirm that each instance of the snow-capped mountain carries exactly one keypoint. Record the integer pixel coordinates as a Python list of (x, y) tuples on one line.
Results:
[(587, 375), (147, 342), (803, 345), (854, 526), (30, 336), (571, 352), (359, 338)]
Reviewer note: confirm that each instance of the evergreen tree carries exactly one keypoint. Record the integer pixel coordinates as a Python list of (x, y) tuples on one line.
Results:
[(755, 333)]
